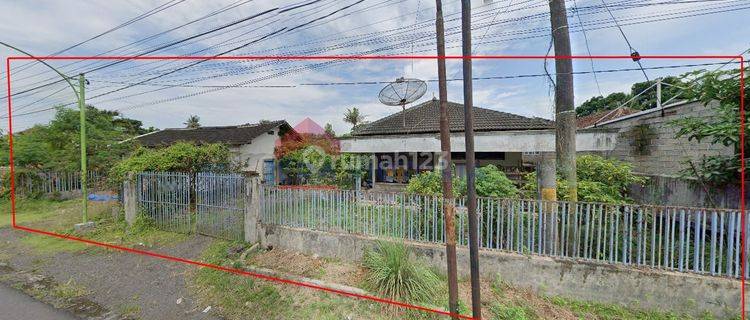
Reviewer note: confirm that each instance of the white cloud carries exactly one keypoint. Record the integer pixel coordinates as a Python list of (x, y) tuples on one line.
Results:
[(43, 27)]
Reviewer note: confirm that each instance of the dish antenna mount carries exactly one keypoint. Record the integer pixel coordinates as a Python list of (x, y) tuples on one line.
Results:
[(402, 92)]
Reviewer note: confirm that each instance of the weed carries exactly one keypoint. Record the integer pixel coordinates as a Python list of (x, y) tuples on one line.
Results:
[(69, 290), (129, 309), (505, 312), (395, 275)]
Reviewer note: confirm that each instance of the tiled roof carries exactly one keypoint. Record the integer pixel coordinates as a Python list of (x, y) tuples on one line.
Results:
[(602, 116), (425, 118), (231, 135)]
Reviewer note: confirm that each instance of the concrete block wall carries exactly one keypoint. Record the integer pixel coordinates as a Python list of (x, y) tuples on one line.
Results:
[(583, 280), (665, 154)]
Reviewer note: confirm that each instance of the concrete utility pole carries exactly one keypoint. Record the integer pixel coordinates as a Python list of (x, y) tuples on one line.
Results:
[(565, 116), (84, 170), (471, 188), (445, 163)]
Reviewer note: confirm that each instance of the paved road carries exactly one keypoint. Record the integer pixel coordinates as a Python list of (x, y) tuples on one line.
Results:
[(14, 305)]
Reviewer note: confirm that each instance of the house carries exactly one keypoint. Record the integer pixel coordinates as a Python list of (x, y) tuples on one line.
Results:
[(406, 143), (252, 145)]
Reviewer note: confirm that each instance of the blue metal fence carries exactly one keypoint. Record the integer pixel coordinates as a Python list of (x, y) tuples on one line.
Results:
[(699, 240)]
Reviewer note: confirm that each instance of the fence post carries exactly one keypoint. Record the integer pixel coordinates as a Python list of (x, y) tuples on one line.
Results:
[(129, 199), (252, 208)]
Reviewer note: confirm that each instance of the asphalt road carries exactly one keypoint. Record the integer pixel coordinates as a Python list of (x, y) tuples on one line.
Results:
[(14, 305)]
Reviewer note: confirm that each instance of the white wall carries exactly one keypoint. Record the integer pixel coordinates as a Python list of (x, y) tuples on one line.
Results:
[(499, 141), (252, 155)]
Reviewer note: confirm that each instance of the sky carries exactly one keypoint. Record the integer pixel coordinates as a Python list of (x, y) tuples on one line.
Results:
[(164, 94)]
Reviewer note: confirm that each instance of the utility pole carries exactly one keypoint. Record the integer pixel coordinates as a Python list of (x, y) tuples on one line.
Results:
[(84, 171), (471, 188), (80, 97), (565, 117), (445, 163)]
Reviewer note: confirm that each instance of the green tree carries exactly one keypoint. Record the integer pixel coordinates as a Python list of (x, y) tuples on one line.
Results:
[(600, 103), (721, 88), (671, 87), (192, 122), (354, 117), (56, 145), (329, 130)]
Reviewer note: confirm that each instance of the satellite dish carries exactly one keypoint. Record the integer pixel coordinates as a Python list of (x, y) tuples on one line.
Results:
[(402, 92)]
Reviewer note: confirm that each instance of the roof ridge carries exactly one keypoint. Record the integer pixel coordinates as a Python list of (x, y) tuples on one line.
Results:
[(244, 125)]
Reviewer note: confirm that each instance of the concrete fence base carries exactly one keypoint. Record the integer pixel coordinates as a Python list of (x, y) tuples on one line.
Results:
[(583, 280)]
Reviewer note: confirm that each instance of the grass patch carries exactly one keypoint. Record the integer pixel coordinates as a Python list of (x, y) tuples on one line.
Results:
[(508, 312), (614, 312), (61, 216), (44, 244), (69, 290), (236, 297), (29, 211), (241, 297), (129, 309)]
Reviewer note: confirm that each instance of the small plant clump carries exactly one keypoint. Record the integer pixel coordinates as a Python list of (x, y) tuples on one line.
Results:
[(394, 274)]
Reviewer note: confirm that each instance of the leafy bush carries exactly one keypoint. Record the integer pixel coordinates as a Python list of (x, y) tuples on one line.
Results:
[(719, 91), (315, 166), (179, 157), (22, 174), (427, 183), (599, 180), (491, 182), (395, 275)]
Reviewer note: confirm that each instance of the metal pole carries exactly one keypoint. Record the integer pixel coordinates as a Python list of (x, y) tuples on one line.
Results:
[(565, 116), (471, 196), (445, 163), (80, 99), (84, 171)]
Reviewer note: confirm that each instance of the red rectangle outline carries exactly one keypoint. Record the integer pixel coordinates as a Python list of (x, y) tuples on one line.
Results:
[(347, 57)]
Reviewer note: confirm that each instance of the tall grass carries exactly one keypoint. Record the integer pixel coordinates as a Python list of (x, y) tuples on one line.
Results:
[(395, 275)]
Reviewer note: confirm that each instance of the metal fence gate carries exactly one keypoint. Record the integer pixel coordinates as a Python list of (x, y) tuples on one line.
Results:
[(211, 204), (220, 205), (165, 198)]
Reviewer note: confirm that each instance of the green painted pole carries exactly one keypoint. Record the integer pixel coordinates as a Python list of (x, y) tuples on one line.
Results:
[(84, 172), (81, 104)]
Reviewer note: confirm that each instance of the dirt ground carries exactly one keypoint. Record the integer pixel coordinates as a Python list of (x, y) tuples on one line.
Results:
[(351, 274), (137, 286)]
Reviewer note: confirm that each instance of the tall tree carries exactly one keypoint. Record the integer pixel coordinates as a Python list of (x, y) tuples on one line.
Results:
[(329, 130), (193, 122), (55, 146), (354, 117)]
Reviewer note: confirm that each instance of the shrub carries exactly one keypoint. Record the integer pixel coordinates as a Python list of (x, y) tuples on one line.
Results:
[(491, 182), (179, 157), (599, 180), (395, 275)]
